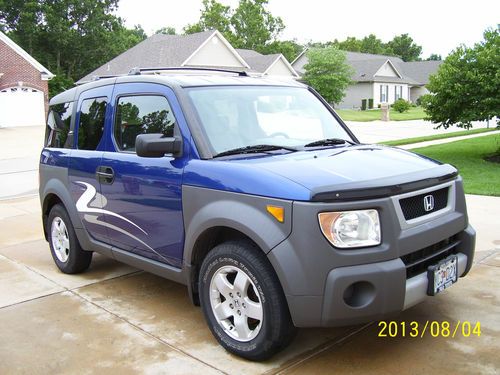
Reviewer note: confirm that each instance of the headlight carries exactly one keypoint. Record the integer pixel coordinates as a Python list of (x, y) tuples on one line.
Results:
[(347, 229)]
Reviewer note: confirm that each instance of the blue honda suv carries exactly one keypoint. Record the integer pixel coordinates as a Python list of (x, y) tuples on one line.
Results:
[(254, 194)]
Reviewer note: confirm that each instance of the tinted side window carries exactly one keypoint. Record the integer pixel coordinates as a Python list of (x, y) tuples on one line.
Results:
[(140, 115), (58, 123), (91, 124)]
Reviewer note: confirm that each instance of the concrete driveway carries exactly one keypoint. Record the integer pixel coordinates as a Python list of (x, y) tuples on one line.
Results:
[(116, 319), (380, 131)]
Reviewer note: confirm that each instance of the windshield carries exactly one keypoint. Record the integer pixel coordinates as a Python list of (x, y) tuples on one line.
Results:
[(241, 116)]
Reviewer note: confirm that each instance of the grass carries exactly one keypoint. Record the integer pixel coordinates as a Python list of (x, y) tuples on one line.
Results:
[(480, 176), (414, 113), (409, 141)]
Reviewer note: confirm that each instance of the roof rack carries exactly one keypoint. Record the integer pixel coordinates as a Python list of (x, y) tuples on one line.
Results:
[(96, 77), (139, 71)]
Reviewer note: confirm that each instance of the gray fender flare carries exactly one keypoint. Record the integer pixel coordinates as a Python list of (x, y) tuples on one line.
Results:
[(205, 208)]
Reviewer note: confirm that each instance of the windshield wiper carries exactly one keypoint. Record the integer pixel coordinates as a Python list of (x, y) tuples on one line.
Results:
[(329, 142), (254, 149)]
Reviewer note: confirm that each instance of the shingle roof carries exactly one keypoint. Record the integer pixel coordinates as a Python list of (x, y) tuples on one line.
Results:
[(159, 50), (257, 61), (421, 70), (357, 56), (366, 65)]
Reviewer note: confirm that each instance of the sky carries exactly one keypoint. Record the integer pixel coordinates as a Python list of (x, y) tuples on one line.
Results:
[(439, 26)]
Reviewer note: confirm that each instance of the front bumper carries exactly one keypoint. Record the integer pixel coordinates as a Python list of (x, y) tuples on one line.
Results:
[(381, 289), (325, 286)]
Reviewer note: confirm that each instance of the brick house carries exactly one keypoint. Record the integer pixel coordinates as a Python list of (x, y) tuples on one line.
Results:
[(24, 89)]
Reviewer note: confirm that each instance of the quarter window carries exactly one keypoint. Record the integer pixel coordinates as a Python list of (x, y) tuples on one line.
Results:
[(58, 125), (91, 125), (141, 115)]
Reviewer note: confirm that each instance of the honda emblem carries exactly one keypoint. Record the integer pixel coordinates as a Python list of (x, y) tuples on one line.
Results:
[(428, 203)]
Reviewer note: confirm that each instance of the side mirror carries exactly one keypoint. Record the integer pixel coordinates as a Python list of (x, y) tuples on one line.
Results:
[(157, 145)]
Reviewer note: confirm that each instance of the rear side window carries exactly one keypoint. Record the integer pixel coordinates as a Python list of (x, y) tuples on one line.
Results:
[(140, 115), (91, 125), (58, 125)]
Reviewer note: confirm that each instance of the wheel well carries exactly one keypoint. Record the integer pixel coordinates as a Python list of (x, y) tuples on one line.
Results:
[(50, 201), (206, 242)]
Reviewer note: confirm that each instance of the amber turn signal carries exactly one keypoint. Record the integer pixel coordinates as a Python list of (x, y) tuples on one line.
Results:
[(277, 212)]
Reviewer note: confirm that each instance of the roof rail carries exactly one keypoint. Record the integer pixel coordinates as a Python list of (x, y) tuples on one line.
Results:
[(139, 71), (97, 78)]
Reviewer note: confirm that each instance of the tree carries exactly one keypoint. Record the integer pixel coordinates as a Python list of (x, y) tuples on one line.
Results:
[(404, 47), (249, 26), (70, 37), (214, 16), (434, 57), (467, 85), (167, 30), (350, 44), (254, 26), (328, 72), (372, 44), (288, 48)]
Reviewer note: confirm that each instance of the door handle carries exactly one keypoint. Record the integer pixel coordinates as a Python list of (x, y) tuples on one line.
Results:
[(105, 175)]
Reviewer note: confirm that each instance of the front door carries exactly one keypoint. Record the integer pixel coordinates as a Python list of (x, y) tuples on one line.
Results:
[(143, 195)]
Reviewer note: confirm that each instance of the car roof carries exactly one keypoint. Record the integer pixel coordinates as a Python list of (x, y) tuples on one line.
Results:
[(178, 81)]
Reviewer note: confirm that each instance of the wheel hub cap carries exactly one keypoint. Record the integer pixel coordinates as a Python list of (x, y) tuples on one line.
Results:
[(236, 303), (60, 239)]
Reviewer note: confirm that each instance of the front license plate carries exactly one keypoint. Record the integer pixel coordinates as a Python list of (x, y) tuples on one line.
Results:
[(442, 275)]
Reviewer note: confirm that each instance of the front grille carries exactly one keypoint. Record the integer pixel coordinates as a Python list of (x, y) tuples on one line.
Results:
[(416, 206), (418, 261)]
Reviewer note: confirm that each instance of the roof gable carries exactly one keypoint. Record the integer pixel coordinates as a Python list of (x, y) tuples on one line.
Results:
[(388, 70), (281, 67), (46, 74), (161, 51), (215, 51)]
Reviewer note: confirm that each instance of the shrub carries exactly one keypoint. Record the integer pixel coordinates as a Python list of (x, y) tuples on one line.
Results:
[(363, 104), (401, 105), (370, 103), (418, 102)]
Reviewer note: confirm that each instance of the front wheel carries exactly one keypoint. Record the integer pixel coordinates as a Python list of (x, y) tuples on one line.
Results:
[(243, 302), (64, 246)]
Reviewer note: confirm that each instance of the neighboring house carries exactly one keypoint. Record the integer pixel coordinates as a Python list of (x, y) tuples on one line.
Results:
[(208, 49), (381, 78), (24, 91), (272, 65)]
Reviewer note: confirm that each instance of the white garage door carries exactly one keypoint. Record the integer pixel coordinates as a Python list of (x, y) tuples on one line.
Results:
[(21, 106)]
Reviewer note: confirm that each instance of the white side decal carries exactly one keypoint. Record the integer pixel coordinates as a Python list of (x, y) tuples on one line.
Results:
[(95, 220), (82, 205)]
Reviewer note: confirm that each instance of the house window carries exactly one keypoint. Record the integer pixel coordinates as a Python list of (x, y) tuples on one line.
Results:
[(384, 92), (398, 92)]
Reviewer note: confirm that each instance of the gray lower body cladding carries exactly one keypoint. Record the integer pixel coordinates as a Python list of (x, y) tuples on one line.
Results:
[(326, 286)]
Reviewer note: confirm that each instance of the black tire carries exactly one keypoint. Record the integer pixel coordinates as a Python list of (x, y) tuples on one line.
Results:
[(77, 260), (275, 330)]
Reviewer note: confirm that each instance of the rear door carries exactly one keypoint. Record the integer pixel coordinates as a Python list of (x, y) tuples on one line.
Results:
[(143, 198), (89, 142)]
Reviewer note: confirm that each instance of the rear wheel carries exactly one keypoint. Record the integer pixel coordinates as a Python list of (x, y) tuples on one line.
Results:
[(243, 302), (64, 247)]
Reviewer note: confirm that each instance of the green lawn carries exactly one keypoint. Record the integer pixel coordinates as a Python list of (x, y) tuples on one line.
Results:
[(480, 176), (414, 113), (409, 141)]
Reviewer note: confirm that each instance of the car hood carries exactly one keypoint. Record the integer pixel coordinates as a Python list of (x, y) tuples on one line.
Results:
[(365, 169), (351, 172)]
